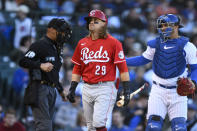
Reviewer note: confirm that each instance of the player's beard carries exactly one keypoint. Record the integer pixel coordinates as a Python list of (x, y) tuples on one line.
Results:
[(102, 32)]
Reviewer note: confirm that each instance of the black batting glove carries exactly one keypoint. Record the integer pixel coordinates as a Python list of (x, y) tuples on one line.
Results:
[(71, 94), (126, 92), (71, 97), (119, 94)]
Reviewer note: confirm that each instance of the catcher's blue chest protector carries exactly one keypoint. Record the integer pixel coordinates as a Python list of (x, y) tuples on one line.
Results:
[(169, 58)]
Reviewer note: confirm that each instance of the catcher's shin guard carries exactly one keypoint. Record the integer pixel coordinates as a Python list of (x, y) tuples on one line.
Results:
[(155, 123), (178, 124)]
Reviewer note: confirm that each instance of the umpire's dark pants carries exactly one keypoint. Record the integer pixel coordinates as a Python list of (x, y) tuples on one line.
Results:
[(43, 114)]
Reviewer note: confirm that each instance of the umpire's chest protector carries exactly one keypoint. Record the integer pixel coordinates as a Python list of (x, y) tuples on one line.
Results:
[(169, 58)]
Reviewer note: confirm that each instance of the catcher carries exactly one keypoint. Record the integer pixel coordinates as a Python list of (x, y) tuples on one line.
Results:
[(169, 53)]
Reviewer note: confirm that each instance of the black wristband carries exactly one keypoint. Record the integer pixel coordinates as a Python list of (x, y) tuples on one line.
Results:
[(126, 86), (73, 86)]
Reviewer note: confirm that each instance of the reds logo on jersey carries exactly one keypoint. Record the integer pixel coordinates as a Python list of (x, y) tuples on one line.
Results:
[(121, 55), (91, 56)]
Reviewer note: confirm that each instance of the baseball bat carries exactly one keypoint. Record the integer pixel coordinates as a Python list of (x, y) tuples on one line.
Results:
[(121, 102)]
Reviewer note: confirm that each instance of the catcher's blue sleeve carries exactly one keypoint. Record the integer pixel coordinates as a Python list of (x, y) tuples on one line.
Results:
[(137, 61), (194, 72)]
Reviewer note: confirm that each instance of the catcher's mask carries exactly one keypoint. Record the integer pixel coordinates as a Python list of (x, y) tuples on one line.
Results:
[(63, 30), (95, 14), (169, 21)]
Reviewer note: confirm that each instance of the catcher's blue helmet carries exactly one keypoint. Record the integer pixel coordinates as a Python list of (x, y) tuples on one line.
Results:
[(169, 20)]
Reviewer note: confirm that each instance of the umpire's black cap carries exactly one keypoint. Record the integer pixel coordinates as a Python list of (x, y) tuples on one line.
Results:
[(59, 24)]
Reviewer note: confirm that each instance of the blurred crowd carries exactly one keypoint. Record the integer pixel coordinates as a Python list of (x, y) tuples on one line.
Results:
[(133, 22)]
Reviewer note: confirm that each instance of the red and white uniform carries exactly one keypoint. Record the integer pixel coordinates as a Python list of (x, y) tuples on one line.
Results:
[(97, 61), (97, 58)]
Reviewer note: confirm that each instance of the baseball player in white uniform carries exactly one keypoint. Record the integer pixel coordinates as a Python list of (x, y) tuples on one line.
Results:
[(169, 53)]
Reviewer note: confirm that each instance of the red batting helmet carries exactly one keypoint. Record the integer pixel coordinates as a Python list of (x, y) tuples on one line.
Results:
[(96, 14)]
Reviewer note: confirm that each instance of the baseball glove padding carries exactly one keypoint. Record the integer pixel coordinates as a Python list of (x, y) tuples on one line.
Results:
[(185, 87)]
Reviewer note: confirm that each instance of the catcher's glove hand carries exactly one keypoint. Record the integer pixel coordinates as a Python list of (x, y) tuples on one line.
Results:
[(185, 87)]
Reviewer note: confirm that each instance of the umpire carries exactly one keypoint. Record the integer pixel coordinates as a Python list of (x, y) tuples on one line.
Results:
[(43, 59)]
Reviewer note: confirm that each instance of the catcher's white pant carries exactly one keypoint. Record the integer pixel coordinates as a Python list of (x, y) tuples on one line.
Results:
[(162, 101), (98, 102)]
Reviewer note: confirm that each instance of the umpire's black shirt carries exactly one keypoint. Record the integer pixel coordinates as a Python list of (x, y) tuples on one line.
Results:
[(43, 51)]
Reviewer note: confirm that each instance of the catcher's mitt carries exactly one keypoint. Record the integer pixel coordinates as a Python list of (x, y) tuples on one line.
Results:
[(185, 87)]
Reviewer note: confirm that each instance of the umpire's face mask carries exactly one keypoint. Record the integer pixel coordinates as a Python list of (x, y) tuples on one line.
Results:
[(60, 38), (63, 35), (63, 31)]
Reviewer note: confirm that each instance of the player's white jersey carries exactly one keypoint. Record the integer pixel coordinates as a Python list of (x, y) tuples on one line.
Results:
[(191, 58)]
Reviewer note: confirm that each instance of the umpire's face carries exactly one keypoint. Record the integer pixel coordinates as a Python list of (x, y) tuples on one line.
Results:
[(54, 33), (51, 32)]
